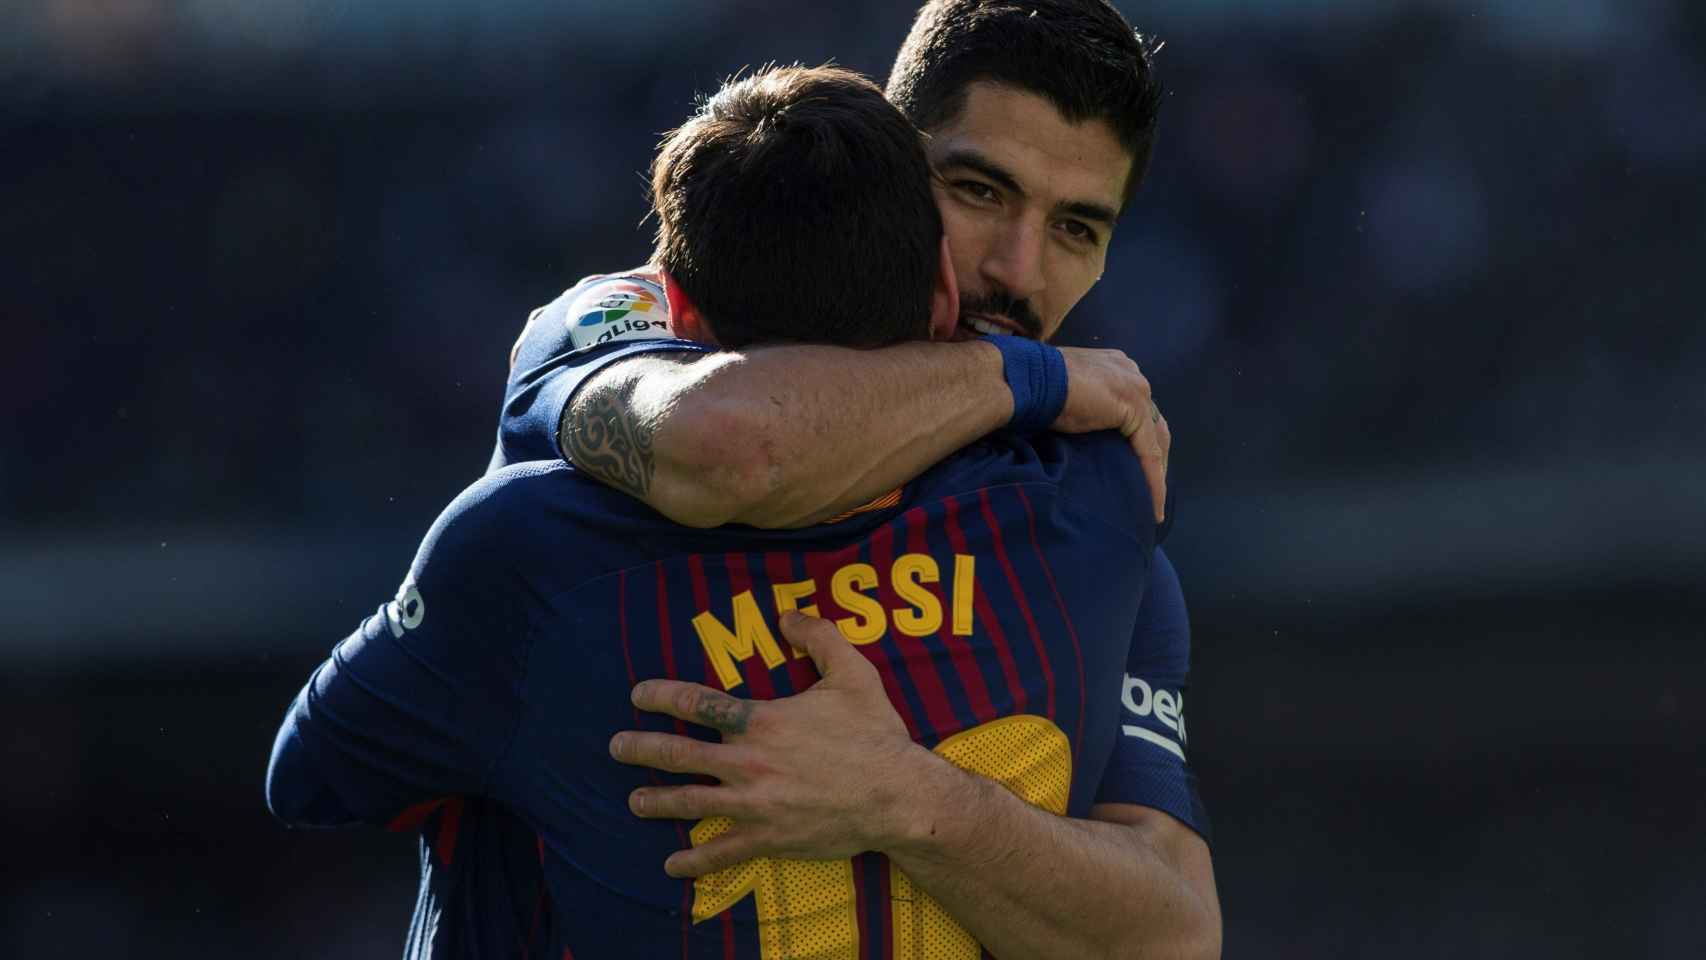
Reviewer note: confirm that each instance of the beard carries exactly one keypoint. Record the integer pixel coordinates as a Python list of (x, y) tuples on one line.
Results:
[(999, 303)]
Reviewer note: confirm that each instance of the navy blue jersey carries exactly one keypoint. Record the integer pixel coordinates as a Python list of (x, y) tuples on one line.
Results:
[(997, 599), (482, 892)]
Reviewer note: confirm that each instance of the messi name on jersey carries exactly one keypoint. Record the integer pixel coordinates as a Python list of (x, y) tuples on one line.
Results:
[(748, 632)]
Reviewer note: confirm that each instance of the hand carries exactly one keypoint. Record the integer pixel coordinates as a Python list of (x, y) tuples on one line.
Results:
[(1106, 391), (820, 775)]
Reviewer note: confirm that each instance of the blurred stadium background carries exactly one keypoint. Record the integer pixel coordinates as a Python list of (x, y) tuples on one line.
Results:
[(1420, 285)]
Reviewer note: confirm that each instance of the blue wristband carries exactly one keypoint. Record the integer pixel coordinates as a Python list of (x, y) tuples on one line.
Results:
[(1036, 373)]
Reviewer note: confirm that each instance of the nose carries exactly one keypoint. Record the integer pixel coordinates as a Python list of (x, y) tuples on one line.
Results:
[(1015, 260)]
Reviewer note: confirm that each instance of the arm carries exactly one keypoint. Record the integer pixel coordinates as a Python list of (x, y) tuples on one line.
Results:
[(786, 436), (416, 704), (1007, 870), (367, 738), (1143, 842), (1024, 882), (1129, 881)]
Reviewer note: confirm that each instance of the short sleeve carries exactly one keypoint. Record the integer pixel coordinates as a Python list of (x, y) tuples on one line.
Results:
[(1149, 765), (600, 321), (421, 700)]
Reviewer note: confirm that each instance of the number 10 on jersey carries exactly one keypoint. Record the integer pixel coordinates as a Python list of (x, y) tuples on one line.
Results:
[(806, 909)]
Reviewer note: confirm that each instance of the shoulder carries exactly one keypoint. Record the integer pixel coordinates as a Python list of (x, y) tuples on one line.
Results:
[(543, 520), (599, 311), (1095, 472), (492, 510), (616, 308), (602, 322)]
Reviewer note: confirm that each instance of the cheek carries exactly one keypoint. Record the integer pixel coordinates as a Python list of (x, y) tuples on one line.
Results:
[(968, 239)]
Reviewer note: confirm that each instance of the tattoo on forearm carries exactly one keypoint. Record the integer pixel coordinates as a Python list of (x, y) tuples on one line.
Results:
[(601, 435), (723, 712)]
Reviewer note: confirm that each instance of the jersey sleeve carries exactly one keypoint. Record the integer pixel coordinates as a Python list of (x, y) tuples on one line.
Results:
[(422, 699), (1149, 766), (600, 321)]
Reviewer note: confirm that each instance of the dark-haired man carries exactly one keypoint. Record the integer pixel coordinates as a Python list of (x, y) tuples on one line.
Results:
[(539, 599), (1042, 119)]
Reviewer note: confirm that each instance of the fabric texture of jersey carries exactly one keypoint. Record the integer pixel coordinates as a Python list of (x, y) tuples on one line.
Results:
[(998, 600)]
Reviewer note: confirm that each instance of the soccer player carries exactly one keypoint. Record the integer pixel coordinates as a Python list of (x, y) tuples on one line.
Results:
[(1014, 94), (1042, 119), (539, 599)]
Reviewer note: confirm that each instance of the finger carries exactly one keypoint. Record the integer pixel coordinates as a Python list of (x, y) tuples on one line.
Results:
[(670, 752), (822, 641), (1166, 445), (690, 802), (725, 851), (1154, 470), (695, 703)]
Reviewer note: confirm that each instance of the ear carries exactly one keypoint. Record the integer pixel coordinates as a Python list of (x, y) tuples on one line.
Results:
[(685, 320), (945, 299)]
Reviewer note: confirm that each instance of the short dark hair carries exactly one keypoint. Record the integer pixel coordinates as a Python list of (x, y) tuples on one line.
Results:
[(796, 204), (1080, 55)]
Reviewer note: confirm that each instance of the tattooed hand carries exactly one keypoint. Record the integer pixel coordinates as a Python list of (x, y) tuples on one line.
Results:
[(821, 775)]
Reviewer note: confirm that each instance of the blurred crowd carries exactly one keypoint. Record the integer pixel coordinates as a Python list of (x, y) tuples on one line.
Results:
[(263, 281)]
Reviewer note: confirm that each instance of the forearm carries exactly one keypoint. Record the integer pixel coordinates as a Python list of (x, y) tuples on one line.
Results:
[(1028, 884), (789, 435), (834, 428)]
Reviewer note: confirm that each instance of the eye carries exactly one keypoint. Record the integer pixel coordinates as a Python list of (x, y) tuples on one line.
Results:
[(976, 188), (1079, 230)]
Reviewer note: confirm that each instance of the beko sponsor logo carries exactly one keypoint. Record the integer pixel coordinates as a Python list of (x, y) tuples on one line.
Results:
[(1166, 707)]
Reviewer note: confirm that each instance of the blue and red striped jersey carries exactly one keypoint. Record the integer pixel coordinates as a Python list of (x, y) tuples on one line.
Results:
[(1008, 599), (998, 599)]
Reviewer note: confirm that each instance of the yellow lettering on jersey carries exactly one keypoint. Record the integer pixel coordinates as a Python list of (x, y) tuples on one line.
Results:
[(724, 647), (867, 624), (965, 587), (788, 597), (911, 571)]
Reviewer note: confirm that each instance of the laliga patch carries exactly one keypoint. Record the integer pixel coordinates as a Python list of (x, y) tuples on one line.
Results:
[(618, 310)]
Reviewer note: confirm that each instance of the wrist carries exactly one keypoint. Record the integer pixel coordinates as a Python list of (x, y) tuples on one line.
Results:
[(979, 387), (1036, 378), (931, 791)]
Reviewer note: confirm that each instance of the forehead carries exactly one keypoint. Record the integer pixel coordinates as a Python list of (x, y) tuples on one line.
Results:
[(1050, 156)]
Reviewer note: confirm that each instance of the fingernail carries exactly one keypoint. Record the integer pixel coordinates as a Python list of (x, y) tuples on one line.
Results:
[(617, 742)]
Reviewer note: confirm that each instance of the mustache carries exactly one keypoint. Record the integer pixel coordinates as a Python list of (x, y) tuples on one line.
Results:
[(999, 303)]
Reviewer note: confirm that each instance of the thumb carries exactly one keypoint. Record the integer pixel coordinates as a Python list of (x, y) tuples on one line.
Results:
[(821, 641)]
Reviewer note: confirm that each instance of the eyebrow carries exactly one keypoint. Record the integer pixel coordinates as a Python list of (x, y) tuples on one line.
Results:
[(972, 160)]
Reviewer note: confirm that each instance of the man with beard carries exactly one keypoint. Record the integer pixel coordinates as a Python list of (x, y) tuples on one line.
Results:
[(1041, 120), (1037, 154)]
